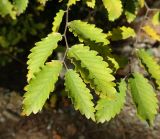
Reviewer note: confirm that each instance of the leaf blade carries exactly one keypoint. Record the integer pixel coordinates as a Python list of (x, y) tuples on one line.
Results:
[(57, 20), (151, 66), (21, 5), (72, 2), (91, 3), (121, 33), (40, 53), (6, 8), (87, 31), (79, 94), (39, 88), (144, 97), (97, 68), (109, 108), (114, 8)]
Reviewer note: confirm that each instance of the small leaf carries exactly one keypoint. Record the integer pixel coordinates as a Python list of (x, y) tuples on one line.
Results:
[(109, 108), (72, 2), (40, 87), (87, 31), (91, 3), (156, 18), (144, 97), (131, 9), (43, 2), (6, 8), (21, 5), (121, 33), (41, 52), (79, 94), (57, 20), (151, 66), (141, 3), (114, 8), (114, 63)]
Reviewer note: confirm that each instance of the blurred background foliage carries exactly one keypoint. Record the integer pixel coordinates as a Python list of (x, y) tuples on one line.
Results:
[(17, 37)]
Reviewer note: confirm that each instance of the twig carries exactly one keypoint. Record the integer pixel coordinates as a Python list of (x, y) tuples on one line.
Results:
[(65, 38)]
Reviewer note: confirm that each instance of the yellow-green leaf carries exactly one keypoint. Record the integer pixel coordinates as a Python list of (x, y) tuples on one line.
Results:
[(41, 52), (121, 33), (72, 2), (21, 5), (114, 8), (109, 108), (6, 8), (86, 31), (40, 87), (57, 20), (151, 65), (91, 3), (156, 18), (43, 2), (79, 94), (131, 9), (98, 71), (144, 97)]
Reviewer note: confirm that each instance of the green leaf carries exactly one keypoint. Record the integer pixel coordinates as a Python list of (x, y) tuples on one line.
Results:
[(144, 97), (141, 3), (87, 31), (43, 2), (84, 73), (6, 8), (41, 52), (72, 2), (21, 5), (130, 9), (40, 87), (114, 8), (105, 52), (108, 108), (3, 42), (98, 70), (151, 66), (57, 20), (156, 18), (79, 94), (121, 33), (113, 63), (91, 3)]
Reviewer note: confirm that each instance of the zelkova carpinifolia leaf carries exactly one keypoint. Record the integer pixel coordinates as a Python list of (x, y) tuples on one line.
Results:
[(39, 54), (39, 88), (98, 71), (79, 94), (144, 97)]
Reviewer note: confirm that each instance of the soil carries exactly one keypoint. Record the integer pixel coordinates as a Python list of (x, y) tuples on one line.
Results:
[(66, 123)]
